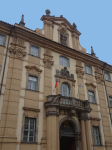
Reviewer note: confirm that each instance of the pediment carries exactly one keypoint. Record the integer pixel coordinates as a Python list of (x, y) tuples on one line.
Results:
[(61, 21), (33, 69), (90, 85)]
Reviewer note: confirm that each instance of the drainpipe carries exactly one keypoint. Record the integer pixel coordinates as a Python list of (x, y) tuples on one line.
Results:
[(106, 91), (12, 27)]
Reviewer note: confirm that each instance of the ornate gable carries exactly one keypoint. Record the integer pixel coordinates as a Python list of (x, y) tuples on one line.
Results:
[(33, 69), (65, 22)]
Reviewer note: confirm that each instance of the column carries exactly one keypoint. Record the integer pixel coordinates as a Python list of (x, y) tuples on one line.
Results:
[(88, 137), (52, 131), (83, 132)]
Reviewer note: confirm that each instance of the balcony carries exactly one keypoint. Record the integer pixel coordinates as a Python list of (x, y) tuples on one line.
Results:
[(57, 102)]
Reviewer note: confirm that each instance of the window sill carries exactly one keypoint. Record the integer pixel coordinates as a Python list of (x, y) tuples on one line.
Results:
[(35, 56), (2, 45), (89, 74), (108, 81), (98, 145), (93, 103), (28, 142), (32, 90), (64, 66)]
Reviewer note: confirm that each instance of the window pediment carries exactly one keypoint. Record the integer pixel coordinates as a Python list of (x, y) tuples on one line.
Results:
[(65, 74), (90, 86), (33, 70)]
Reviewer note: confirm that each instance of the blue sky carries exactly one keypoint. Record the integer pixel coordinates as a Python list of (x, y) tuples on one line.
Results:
[(92, 17)]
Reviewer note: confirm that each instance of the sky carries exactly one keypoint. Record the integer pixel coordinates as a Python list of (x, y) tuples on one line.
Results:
[(92, 17)]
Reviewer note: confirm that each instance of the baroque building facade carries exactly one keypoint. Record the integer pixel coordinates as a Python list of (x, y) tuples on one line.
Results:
[(54, 95)]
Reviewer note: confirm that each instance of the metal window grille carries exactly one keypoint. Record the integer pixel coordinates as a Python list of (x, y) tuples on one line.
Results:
[(64, 61), (91, 97), (88, 70), (65, 90), (110, 99), (32, 83), (107, 77), (96, 135), (34, 51), (29, 130), (1, 39)]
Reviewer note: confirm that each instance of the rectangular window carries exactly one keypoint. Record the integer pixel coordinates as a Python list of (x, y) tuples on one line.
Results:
[(88, 69), (29, 130), (34, 51), (96, 135), (64, 61), (32, 83), (1, 39), (110, 101), (107, 76), (91, 96)]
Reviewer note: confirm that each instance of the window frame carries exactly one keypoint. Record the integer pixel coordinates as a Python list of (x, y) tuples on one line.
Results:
[(100, 135), (66, 58), (36, 129), (91, 69), (109, 100), (4, 39), (38, 79), (39, 50), (69, 87), (109, 76), (89, 90)]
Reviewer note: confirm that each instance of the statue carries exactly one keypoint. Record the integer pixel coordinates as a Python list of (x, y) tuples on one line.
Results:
[(63, 38)]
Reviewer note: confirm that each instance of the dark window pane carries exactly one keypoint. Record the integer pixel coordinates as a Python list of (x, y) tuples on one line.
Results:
[(26, 126), (31, 133), (32, 121), (25, 133), (30, 139), (31, 126), (26, 120), (25, 138)]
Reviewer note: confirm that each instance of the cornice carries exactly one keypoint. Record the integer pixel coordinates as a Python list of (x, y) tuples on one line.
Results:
[(53, 46), (93, 118), (31, 109)]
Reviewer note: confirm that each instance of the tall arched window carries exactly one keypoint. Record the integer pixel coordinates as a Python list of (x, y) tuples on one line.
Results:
[(64, 61), (65, 90)]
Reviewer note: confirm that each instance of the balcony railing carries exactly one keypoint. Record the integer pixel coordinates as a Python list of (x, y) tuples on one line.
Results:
[(68, 102)]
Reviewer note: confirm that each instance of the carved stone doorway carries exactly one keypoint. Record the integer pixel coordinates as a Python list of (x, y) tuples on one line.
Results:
[(67, 136)]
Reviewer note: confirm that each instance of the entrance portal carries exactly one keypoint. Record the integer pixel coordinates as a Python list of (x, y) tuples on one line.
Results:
[(67, 136)]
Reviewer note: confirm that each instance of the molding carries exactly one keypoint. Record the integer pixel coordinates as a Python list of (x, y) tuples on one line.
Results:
[(17, 48), (63, 77), (32, 37), (99, 79), (48, 61), (80, 73)]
